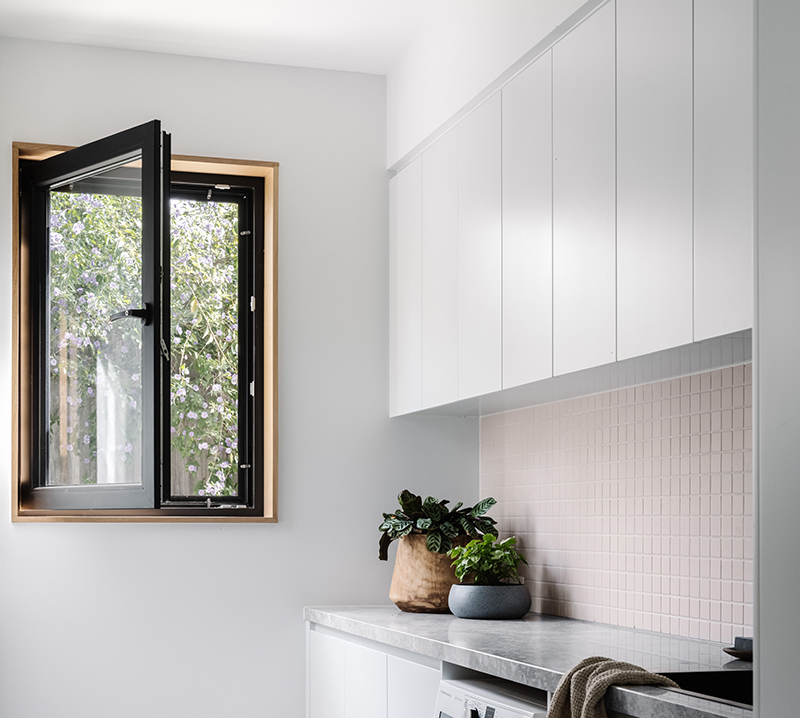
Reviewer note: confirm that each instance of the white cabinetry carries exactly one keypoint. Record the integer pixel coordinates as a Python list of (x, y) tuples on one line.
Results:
[(350, 677), (528, 226), (365, 682), (723, 166), (584, 208), (325, 676), (405, 210), (480, 251), (413, 688), (654, 175), (440, 271), (599, 207)]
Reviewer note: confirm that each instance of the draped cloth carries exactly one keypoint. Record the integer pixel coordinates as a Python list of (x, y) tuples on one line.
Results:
[(580, 692)]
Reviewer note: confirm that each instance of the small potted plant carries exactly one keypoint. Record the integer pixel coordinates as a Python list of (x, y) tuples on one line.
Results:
[(427, 530), (496, 590)]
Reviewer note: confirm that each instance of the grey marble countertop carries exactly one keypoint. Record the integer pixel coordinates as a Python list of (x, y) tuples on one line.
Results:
[(537, 650)]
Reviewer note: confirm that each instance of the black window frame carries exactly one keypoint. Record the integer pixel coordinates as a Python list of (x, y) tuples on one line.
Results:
[(153, 146)]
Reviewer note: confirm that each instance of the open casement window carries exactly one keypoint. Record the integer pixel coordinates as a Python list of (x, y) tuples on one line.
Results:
[(144, 383)]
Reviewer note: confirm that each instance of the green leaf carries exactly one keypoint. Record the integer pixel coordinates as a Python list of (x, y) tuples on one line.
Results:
[(488, 562), (396, 527), (434, 542), (468, 525), (383, 547), (449, 530), (424, 524), (483, 506), (433, 509), (410, 503)]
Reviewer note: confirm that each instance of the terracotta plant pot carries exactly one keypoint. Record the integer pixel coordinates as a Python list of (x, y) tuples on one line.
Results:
[(422, 579)]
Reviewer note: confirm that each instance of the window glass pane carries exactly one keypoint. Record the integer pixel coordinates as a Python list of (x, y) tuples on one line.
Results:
[(205, 348), (95, 397)]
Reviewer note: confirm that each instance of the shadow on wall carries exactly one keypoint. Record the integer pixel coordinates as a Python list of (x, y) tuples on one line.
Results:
[(547, 594)]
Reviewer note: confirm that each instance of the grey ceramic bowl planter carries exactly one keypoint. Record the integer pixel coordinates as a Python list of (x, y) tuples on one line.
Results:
[(499, 602)]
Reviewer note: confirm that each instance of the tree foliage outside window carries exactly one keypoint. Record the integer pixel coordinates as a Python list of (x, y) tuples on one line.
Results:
[(95, 366)]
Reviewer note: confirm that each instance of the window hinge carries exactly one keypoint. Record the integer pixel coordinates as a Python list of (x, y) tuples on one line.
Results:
[(165, 350), (252, 304), (244, 233), (252, 388)]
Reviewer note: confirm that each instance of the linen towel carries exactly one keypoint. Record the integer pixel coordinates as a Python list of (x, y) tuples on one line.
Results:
[(580, 692)]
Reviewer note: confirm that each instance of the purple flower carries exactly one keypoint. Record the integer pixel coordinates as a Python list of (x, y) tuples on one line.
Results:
[(191, 468), (69, 447)]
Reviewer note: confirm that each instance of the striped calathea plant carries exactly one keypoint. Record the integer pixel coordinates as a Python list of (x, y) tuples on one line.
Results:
[(436, 520)]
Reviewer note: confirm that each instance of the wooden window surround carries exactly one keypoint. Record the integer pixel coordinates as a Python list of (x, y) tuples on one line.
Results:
[(22, 346)]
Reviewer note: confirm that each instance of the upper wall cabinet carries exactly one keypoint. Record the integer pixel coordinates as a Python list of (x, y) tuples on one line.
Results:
[(584, 204), (440, 272), (597, 208), (528, 225), (405, 237), (723, 167), (480, 253), (654, 175)]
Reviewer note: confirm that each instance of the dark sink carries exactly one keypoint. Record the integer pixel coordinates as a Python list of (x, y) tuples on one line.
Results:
[(730, 685)]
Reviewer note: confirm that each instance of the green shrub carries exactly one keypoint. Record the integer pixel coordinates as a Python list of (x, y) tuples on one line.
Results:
[(489, 563)]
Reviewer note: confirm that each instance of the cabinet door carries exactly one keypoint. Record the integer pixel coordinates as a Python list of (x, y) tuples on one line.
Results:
[(412, 689), (405, 205), (723, 166), (584, 209), (480, 251), (326, 667), (654, 175), (365, 682), (440, 271), (528, 226)]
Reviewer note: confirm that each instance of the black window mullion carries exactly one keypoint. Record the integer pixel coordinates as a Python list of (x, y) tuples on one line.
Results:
[(246, 349)]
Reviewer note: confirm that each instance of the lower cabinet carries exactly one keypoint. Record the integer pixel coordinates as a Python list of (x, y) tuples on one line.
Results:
[(347, 678), (412, 689)]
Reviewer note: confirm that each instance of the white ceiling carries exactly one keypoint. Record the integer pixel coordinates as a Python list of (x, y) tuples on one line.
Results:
[(356, 35)]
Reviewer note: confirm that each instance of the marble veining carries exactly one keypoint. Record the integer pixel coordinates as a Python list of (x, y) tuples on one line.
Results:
[(538, 649)]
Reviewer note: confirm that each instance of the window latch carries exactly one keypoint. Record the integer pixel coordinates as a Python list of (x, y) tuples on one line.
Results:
[(142, 314)]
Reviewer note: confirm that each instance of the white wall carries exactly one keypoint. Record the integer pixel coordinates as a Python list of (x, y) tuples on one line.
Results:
[(777, 347), (130, 620), (463, 46)]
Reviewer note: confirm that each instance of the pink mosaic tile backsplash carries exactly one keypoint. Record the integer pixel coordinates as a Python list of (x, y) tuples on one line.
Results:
[(634, 507)]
